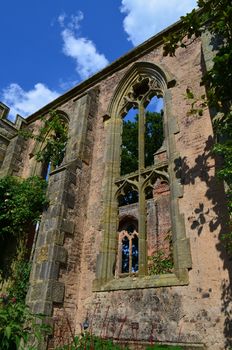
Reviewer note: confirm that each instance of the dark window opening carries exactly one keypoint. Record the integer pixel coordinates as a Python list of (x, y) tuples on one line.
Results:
[(130, 228), (141, 89), (129, 224), (135, 254), (148, 193), (130, 197), (46, 169), (125, 255)]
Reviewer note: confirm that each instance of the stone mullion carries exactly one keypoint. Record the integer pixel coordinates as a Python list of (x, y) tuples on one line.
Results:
[(142, 231), (141, 136), (130, 254), (142, 204)]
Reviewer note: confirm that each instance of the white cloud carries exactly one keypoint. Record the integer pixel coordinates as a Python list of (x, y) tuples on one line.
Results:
[(88, 60), (74, 22), (146, 18), (24, 102)]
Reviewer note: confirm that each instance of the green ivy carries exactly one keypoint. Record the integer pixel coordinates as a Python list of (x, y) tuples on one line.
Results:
[(19, 280), (215, 17), (160, 263), (52, 136), (21, 204)]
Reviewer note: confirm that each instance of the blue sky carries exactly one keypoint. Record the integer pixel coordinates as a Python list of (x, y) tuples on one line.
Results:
[(49, 46)]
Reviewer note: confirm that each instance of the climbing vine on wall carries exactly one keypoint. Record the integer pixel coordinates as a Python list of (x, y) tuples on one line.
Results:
[(52, 137), (215, 17)]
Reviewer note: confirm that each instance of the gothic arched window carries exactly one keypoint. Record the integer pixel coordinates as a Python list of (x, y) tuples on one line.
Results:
[(140, 175), (128, 248)]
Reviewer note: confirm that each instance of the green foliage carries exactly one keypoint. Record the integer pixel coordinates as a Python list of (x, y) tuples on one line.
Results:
[(21, 204), (197, 104), (53, 136), (160, 263), (153, 141), (214, 16), (54, 133), (91, 342), (17, 324), (19, 280)]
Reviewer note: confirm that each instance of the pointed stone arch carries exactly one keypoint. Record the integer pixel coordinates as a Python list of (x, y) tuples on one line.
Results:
[(137, 72), (140, 83)]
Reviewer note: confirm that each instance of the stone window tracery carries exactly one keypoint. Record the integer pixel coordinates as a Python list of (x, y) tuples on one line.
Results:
[(128, 252), (128, 249), (136, 184), (151, 181)]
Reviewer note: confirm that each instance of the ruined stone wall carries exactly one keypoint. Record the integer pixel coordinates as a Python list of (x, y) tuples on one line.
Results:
[(193, 311), (12, 145)]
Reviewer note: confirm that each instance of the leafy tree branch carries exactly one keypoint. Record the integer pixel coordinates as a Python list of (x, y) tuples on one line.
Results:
[(53, 138), (214, 16)]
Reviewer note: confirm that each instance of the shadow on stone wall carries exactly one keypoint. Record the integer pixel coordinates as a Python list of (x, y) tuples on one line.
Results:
[(216, 217)]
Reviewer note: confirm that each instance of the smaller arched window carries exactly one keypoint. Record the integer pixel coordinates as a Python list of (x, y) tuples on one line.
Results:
[(128, 247)]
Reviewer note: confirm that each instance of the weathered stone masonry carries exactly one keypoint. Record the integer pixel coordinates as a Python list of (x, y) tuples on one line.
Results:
[(72, 278)]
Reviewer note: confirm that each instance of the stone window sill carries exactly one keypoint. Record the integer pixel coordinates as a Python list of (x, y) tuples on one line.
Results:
[(133, 282)]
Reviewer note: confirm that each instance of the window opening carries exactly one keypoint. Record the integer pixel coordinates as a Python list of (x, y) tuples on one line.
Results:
[(140, 89), (127, 198), (135, 91), (128, 249), (46, 169), (142, 138), (154, 136), (148, 192), (135, 253), (129, 146), (159, 243), (130, 228), (125, 255)]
